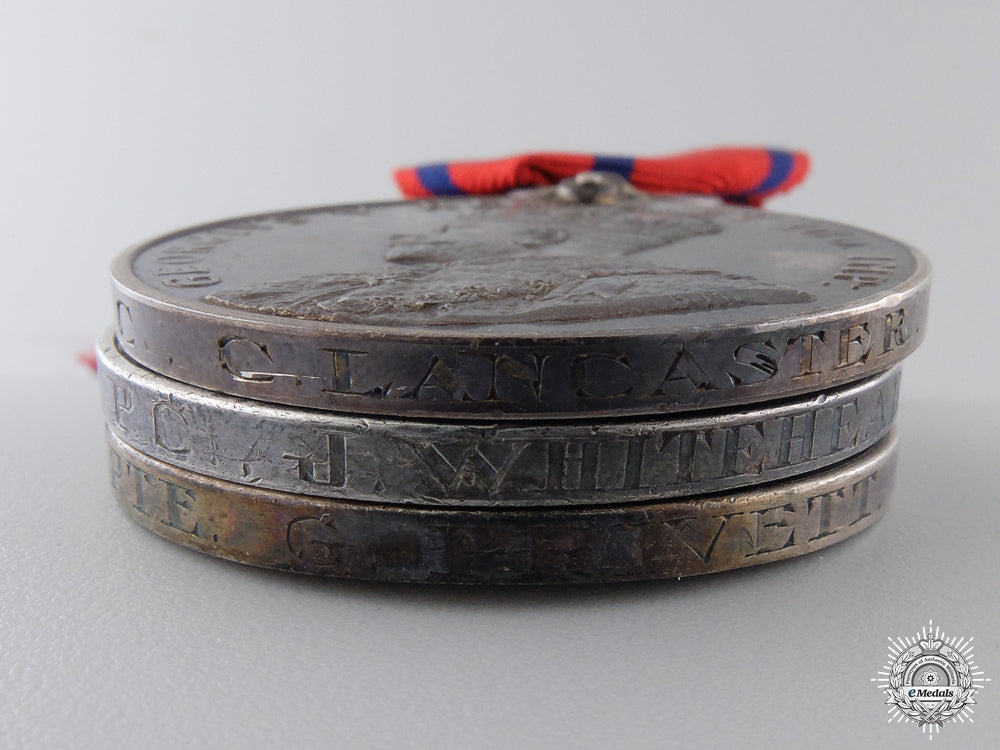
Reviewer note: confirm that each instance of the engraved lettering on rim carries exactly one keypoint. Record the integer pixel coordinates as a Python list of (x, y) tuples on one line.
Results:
[(397, 543), (495, 464), (518, 306)]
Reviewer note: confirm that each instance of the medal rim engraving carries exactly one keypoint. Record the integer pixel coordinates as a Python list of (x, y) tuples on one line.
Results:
[(442, 463), (640, 541), (742, 361)]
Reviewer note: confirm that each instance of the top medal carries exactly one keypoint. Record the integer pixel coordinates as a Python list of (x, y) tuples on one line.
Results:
[(544, 303)]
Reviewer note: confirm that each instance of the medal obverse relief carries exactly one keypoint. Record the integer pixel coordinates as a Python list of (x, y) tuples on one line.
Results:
[(522, 273)]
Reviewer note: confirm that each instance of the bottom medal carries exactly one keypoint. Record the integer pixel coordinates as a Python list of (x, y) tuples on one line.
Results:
[(659, 539)]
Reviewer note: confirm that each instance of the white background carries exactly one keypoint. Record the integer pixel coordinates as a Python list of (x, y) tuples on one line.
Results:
[(122, 120)]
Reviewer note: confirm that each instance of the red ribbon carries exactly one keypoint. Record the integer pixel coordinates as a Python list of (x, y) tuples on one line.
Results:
[(737, 175)]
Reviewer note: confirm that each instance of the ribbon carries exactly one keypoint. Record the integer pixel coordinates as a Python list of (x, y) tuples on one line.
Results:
[(745, 176)]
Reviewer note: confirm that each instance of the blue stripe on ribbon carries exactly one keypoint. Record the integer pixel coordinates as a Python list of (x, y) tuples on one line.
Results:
[(620, 165), (781, 166), (437, 181)]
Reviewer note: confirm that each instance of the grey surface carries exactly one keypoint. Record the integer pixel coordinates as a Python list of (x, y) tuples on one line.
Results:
[(124, 120)]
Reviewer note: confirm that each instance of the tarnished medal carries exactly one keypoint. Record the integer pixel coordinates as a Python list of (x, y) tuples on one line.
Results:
[(571, 384), (524, 306), (659, 539), (385, 460)]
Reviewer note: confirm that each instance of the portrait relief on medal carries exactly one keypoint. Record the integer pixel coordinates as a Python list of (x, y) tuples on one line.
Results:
[(564, 266)]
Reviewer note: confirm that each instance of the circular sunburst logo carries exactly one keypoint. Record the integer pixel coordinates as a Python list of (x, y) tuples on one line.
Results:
[(930, 679)]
